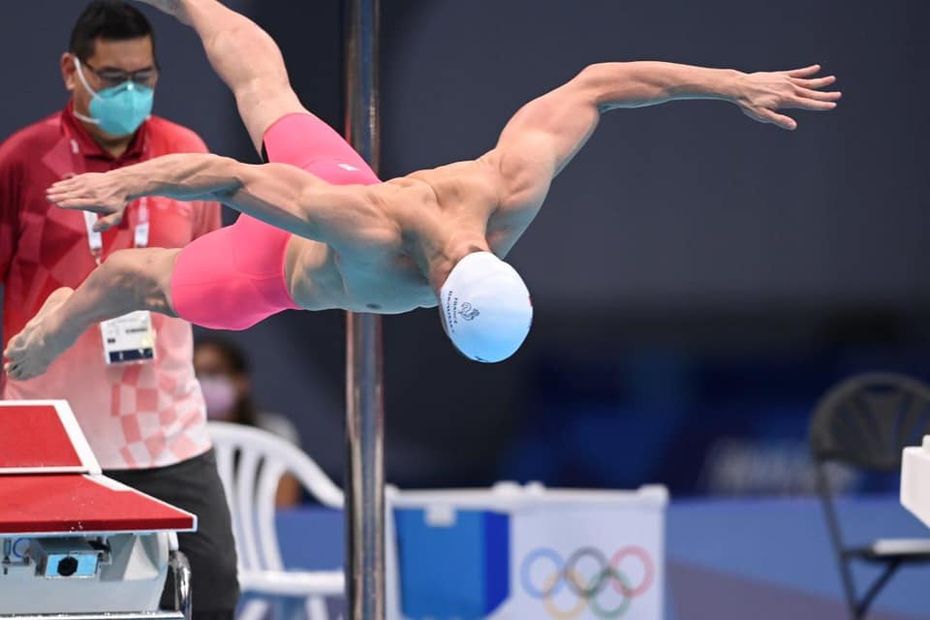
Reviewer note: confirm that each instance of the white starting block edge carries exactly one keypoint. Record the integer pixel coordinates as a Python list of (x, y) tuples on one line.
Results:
[(89, 464), (915, 480)]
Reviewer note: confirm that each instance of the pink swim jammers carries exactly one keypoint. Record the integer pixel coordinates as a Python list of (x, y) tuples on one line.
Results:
[(234, 277)]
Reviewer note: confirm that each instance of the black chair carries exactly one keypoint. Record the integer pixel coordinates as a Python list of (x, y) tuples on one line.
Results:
[(865, 422)]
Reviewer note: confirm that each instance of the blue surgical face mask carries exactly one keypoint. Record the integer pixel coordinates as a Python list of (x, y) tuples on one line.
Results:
[(118, 110)]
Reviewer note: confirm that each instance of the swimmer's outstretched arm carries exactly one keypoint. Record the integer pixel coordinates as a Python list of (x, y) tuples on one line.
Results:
[(280, 195), (544, 135)]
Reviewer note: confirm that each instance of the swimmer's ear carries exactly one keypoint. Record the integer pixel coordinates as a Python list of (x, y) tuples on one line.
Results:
[(109, 221)]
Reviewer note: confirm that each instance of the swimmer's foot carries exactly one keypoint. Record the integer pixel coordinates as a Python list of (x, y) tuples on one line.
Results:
[(30, 352), (171, 7)]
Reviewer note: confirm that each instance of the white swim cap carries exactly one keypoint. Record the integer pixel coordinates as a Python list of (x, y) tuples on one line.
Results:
[(485, 307)]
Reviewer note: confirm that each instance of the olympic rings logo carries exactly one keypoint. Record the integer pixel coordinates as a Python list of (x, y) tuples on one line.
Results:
[(561, 574)]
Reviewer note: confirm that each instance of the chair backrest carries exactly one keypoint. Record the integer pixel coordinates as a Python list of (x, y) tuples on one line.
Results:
[(868, 419), (251, 462)]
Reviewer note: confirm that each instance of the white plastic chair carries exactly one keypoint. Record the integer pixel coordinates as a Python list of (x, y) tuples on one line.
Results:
[(251, 462)]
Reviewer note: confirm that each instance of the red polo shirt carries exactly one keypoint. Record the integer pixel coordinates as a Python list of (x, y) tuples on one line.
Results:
[(145, 415)]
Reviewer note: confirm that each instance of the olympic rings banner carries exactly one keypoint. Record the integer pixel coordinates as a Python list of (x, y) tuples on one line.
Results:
[(604, 588), (528, 553)]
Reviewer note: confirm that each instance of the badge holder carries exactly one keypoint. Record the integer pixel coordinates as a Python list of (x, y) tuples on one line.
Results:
[(128, 338)]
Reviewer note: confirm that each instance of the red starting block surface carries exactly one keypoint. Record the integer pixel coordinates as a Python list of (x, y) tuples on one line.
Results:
[(50, 482), (59, 503), (42, 437)]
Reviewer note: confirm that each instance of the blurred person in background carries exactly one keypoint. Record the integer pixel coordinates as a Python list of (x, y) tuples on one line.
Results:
[(223, 370)]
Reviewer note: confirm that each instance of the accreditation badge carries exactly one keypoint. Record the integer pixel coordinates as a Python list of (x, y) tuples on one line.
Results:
[(129, 339)]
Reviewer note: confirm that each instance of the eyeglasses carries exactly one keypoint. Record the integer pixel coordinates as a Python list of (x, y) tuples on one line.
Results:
[(115, 77)]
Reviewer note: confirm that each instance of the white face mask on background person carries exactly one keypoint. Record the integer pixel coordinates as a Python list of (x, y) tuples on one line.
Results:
[(219, 394)]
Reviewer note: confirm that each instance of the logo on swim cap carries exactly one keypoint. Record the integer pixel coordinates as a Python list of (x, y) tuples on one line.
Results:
[(496, 331), (468, 312)]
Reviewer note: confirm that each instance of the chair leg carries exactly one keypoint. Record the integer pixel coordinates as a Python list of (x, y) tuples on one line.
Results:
[(863, 607), (836, 538), (316, 608)]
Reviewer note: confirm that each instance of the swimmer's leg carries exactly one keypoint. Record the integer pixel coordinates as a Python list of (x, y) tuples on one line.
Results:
[(128, 280), (246, 58)]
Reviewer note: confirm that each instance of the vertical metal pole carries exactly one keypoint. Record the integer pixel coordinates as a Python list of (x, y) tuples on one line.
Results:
[(364, 394)]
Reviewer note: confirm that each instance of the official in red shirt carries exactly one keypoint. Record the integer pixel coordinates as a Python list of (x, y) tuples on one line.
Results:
[(144, 418)]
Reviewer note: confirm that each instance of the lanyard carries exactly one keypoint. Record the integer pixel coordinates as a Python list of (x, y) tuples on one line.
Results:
[(140, 237)]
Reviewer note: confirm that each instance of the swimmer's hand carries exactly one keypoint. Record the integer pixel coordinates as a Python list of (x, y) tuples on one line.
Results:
[(171, 7), (761, 95), (101, 193)]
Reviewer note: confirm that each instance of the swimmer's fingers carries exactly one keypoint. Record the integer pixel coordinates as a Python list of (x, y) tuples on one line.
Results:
[(112, 214), (61, 195), (109, 221), (803, 103), (820, 95), (765, 115), (816, 106), (79, 183), (95, 192), (77, 203), (67, 190), (64, 186), (810, 89), (815, 82), (84, 204), (804, 72), (75, 180)]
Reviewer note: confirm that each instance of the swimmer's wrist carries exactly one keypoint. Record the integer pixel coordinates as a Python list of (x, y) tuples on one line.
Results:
[(131, 183), (734, 86), (705, 83)]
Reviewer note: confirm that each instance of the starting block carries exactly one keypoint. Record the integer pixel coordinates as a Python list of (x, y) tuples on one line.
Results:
[(75, 544)]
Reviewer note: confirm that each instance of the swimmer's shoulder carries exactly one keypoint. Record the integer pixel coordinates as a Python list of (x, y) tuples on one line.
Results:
[(477, 179)]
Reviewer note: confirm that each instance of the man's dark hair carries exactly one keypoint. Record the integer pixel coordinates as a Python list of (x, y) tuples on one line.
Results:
[(110, 20)]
